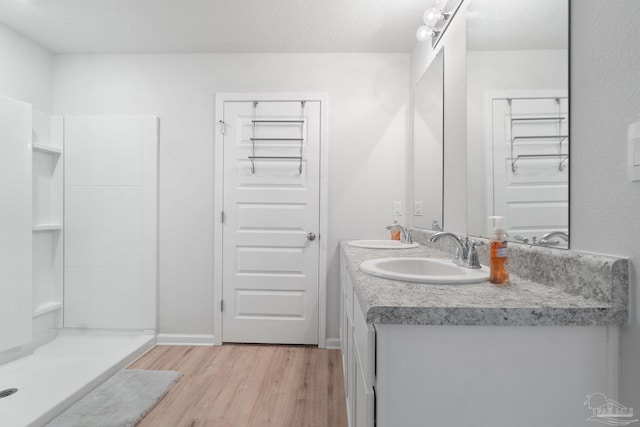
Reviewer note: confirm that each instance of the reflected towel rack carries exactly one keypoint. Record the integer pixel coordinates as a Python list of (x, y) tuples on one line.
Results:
[(276, 139), (562, 157), (253, 139), (277, 121)]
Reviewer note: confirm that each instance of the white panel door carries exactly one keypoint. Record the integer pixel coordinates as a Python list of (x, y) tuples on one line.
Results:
[(270, 265), (16, 306), (534, 197)]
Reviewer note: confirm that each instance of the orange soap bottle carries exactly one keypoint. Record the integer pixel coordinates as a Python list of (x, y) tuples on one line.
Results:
[(498, 255), (395, 230)]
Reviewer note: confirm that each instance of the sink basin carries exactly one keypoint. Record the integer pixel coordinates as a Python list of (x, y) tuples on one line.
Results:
[(424, 270), (382, 244)]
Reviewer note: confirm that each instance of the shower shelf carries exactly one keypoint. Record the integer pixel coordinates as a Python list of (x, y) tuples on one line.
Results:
[(47, 227), (47, 307), (48, 149), (47, 216)]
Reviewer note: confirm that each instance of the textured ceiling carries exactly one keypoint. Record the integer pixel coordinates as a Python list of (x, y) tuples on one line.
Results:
[(224, 26)]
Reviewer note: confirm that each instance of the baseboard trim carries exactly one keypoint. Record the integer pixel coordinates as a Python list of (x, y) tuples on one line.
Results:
[(186, 339), (332, 344)]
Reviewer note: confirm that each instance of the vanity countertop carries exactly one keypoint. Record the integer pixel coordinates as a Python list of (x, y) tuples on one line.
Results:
[(522, 303)]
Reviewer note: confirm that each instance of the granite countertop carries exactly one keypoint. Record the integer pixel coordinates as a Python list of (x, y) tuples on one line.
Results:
[(522, 303)]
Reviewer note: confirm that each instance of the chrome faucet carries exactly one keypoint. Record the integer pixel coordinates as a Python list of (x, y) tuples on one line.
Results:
[(546, 239), (466, 250), (405, 233)]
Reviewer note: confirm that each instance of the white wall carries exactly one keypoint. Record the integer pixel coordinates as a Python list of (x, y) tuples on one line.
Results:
[(605, 206), (26, 73), (455, 160), (367, 93)]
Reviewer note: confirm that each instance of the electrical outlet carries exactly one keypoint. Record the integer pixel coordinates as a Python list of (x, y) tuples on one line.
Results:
[(417, 207), (397, 208)]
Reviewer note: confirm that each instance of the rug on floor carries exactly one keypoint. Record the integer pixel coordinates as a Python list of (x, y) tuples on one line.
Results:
[(121, 401)]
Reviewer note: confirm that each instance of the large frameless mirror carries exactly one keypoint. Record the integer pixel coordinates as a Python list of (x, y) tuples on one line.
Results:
[(518, 119), (428, 142)]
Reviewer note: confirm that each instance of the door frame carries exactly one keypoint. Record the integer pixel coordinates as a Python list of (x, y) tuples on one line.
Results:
[(218, 200)]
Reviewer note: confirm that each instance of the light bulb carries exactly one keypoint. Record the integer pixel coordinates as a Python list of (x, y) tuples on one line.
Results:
[(424, 33), (432, 16)]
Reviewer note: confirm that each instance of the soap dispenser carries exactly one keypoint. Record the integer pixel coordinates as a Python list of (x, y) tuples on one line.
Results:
[(395, 230), (498, 254)]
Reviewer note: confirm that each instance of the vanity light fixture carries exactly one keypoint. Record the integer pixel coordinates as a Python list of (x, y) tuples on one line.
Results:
[(435, 21)]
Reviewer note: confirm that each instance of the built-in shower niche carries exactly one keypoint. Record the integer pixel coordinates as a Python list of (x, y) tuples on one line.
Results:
[(47, 217)]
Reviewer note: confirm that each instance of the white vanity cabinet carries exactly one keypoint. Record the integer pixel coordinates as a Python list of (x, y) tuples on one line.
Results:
[(404, 371), (358, 356)]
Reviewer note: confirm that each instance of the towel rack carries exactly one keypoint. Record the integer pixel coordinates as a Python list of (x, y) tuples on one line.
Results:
[(253, 139), (562, 157)]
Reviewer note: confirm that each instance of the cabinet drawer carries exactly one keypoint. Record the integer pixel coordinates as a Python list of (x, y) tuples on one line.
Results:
[(364, 337)]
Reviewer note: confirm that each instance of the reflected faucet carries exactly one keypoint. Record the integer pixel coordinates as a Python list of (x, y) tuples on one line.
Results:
[(546, 239), (405, 233), (466, 252)]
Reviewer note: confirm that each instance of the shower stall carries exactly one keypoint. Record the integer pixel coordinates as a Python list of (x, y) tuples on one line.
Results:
[(78, 254)]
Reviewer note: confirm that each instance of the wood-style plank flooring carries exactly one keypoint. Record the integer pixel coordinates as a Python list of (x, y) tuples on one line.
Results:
[(248, 385)]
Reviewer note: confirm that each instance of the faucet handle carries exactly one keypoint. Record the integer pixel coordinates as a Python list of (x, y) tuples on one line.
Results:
[(406, 233), (472, 253)]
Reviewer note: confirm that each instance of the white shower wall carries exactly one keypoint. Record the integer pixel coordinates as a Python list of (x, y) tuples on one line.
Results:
[(110, 222), (27, 70), (368, 95)]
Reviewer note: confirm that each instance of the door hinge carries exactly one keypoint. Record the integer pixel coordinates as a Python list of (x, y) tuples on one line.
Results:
[(222, 217), (221, 305), (221, 126)]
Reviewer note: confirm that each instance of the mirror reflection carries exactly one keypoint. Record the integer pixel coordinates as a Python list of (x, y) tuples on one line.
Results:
[(518, 119), (428, 133)]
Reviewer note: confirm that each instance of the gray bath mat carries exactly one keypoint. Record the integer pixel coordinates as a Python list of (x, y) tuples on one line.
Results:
[(121, 401)]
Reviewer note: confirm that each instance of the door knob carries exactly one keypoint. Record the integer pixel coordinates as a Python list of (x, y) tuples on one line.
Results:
[(311, 236)]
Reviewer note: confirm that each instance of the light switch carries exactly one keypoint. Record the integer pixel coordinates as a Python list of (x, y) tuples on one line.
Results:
[(397, 208), (417, 207), (633, 152)]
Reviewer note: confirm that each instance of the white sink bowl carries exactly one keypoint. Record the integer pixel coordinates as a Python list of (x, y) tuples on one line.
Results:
[(424, 270), (382, 244)]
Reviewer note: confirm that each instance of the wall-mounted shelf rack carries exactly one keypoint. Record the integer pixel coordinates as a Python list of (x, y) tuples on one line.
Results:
[(254, 139)]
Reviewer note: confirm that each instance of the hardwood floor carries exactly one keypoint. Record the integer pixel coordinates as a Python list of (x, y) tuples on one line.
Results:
[(249, 385)]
